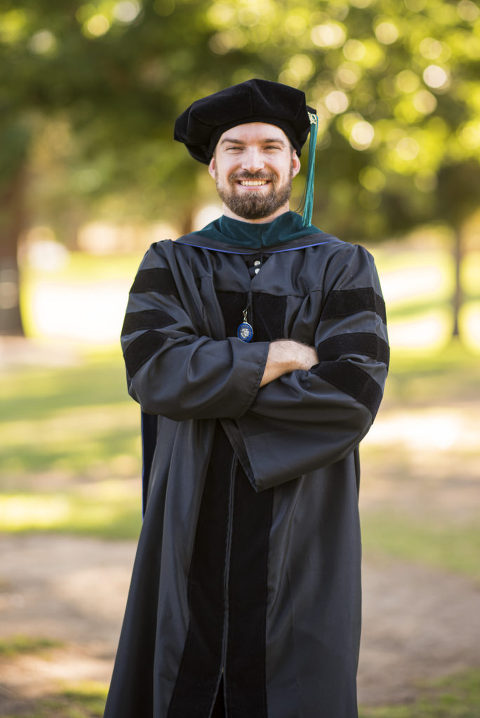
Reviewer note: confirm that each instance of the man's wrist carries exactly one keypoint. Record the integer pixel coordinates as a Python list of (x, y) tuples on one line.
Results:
[(285, 356)]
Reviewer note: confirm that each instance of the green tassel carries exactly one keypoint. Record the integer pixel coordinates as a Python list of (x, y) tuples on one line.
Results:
[(308, 206)]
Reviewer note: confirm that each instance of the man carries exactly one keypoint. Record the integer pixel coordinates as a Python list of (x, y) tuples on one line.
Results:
[(257, 350)]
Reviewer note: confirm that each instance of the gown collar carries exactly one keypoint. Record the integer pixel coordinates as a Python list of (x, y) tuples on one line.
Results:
[(233, 235)]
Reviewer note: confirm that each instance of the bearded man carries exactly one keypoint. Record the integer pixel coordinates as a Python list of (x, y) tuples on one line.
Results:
[(257, 349)]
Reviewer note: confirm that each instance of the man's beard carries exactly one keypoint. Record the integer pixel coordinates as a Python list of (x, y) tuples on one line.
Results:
[(254, 204)]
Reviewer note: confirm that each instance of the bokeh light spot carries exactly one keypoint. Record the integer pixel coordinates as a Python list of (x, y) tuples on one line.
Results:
[(407, 149), (328, 35), (430, 48), (126, 11), (407, 81), (469, 135), (43, 42), (336, 102), (354, 50), (436, 77), (386, 32), (424, 102), (299, 69), (468, 10), (348, 74), (97, 25), (361, 135)]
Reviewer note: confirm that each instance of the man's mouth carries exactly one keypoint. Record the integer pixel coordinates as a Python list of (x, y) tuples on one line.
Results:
[(253, 183)]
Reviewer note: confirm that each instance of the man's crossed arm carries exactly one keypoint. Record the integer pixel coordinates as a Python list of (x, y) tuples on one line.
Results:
[(286, 355)]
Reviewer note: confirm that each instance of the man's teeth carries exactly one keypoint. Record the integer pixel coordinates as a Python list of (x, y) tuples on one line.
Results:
[(252, 183)]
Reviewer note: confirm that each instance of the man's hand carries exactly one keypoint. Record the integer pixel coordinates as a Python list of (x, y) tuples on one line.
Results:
[(285, 356)]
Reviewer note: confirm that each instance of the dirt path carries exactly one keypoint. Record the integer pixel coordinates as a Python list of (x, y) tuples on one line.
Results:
[(418, 623)]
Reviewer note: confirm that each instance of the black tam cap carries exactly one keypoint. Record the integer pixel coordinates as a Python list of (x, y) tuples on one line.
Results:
[(201, 125)]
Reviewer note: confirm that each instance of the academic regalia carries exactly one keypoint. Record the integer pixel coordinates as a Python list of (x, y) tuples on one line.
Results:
[(247, 574)]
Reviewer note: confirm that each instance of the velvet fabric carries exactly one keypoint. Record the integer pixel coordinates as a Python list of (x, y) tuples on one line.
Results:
[(233, 232), (199, 127)]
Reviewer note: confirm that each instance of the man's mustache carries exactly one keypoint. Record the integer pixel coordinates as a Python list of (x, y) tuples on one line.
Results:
[(252, 176)]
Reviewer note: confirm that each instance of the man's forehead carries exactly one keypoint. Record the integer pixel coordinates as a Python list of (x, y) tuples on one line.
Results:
[(254, 131)]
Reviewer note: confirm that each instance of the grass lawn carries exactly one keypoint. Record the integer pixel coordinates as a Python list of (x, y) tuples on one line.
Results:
[(70, 454), (453, 697)]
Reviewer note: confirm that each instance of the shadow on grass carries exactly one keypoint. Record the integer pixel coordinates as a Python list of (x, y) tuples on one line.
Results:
[(456, 696), (84, 453), (38, 393)]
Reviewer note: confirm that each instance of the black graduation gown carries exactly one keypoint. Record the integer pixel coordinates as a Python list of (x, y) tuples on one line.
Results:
[(247, 574)]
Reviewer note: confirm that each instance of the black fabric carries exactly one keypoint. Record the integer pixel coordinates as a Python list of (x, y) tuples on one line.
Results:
[(149, 440), (154, 280), (245, 668), (199, 127), (364, 343), (268, 316), (353, 381), (226, 634), (146, 319), (231, 543), (201, 665), (141, 349), (345, 302), (232, 305), (219, 707), (267, 313)]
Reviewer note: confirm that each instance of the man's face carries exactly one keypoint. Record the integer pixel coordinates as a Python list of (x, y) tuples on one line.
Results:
[(253, 167)]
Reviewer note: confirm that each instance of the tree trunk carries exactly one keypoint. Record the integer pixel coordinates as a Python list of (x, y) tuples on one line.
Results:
[(457, 299), (187, 220), (12, 222)]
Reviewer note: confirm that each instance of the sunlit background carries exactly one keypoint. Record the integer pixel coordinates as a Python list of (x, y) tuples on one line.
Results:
[(90, 176)]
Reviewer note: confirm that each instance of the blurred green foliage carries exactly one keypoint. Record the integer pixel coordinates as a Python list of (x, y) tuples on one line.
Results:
[(96, 87)]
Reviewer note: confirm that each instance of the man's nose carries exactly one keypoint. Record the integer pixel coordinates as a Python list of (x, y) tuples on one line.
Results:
[(252, 160)]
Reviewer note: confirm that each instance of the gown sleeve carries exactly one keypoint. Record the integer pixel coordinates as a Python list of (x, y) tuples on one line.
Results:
[(306, 420), (172, 369)]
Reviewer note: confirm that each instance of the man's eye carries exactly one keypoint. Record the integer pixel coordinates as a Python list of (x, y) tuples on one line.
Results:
[(272, 147)]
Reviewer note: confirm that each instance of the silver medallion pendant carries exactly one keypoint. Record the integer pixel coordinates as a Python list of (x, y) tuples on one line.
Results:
[(245, 330)]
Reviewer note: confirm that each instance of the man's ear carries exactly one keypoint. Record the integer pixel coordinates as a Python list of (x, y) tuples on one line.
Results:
[(211, 167), (295, 164)]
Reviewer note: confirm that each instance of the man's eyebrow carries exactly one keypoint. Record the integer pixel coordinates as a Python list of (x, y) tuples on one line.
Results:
[(275, 140), (268, 141), (231, 140)]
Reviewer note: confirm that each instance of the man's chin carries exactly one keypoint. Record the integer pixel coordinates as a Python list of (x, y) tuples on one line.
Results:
[(251, 210)]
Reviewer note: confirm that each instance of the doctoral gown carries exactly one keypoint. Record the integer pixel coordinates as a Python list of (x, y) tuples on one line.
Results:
[(246, 587)]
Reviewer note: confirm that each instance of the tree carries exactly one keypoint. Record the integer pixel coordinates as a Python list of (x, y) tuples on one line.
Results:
[(394, 83), (116, 74)]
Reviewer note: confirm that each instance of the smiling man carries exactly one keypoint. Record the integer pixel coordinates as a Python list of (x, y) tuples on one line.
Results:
[(253, 167), (257, 349)]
